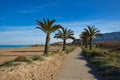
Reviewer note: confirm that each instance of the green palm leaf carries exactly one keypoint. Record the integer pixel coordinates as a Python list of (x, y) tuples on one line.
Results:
[(48, 27), (91, 32), (64, 34)]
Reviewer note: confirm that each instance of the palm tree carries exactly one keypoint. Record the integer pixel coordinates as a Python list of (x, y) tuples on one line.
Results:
[(47, 26), (84, 38), (64, 34), (92, 32)]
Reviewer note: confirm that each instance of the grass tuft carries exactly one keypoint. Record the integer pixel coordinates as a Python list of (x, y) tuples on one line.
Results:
[(35, 58), (9, 63), (106, 61)]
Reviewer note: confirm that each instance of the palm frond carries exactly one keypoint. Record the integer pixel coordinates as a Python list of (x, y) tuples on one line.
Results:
[(42, 25), (99, 35), (47, 25), (41, 29), (54, 28), (64, 33), (44, 21), (50, 22)]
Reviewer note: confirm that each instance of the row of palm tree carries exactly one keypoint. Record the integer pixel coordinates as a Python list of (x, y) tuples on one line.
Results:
[(89, 34), (84, 38), (48, 27)]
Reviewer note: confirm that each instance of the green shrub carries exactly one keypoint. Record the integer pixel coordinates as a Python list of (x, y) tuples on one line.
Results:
[(94, 53), (48, 54), (70, 49), (107, 62), (35, 58), (112, 71), (9, 63), (29, 61)]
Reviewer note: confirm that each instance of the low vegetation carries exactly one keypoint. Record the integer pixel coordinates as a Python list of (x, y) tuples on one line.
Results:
[(36, 58), (19, 59), (23, 59), (109, 44), (106, 62), (70, 48), (16, 61), (9, 63)]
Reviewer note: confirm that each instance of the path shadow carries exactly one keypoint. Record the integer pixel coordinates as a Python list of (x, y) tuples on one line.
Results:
[(81, 56), (92, 70), (115, 75)]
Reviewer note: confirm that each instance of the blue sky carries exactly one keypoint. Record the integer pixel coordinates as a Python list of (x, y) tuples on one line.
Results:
[(17, 18)]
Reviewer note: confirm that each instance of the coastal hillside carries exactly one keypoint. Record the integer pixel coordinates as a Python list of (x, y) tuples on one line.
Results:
[(114, 36)]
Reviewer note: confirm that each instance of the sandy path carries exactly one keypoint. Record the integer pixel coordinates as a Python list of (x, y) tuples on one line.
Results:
[(75, 68)]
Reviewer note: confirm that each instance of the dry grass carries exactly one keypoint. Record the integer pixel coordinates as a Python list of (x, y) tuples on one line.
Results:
[(11, 54), (106, 62), (109, 44)]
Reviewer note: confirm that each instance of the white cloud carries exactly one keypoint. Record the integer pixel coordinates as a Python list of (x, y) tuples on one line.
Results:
[(21, 35), (104, 26), (31, 35)]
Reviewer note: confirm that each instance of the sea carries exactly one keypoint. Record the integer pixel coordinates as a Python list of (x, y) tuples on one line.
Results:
[(13, 46)]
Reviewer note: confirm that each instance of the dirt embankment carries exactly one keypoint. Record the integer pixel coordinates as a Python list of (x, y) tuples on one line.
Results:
[(45, 70)]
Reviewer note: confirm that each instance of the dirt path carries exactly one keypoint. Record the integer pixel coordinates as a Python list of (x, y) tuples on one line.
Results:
[(75, 68)]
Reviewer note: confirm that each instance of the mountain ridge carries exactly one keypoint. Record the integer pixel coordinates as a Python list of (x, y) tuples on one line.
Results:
[(113, 36)]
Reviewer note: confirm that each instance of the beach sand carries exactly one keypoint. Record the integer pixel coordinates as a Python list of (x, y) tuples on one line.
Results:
[(11, 54)]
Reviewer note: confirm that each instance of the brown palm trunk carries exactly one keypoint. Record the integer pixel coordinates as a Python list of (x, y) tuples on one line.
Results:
[(86, 44), (64, 45), (47, 44), (90, 44), (83, 43)]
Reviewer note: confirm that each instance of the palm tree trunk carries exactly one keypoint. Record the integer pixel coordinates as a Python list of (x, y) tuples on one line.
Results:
[(64, 45), (90, 44), (83, 43), (86, 44), (47, 44)]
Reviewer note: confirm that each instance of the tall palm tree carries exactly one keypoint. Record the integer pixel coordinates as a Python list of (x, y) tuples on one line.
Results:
[(47, 26), (92, 32), (64, 34), (84, 38)]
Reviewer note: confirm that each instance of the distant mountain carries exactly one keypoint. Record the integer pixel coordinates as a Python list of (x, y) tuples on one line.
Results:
[(114, 36)]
